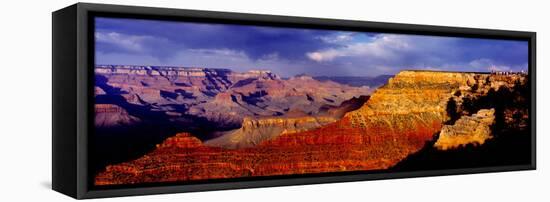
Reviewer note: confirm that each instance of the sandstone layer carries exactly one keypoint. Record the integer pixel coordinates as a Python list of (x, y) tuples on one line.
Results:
[(475, 129), (255, 131)]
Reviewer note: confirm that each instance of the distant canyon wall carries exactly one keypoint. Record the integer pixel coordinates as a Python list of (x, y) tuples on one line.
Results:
[(220, 97)]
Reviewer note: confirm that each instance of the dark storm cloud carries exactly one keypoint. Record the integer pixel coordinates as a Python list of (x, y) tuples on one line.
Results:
[(288, 51), (255, 41)]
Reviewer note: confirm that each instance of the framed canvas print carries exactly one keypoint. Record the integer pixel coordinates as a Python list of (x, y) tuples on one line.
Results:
[(154, 100)]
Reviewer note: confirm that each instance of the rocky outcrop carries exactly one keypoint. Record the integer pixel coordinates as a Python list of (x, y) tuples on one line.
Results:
[(181, 140), (346, 106), (475, 129), (483, 85), (98, 91), (108, 115), (398, 120), (487, 104), (255, 131)]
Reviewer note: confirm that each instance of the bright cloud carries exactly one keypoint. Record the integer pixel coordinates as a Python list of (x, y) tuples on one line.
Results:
[(127, 42), (383, 46), (488, 65), (338, 38), (219, 52)]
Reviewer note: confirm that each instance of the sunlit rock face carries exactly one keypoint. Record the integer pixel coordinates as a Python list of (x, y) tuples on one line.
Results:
[(475, 108), (475, 129), (255, 131), (397, 120)]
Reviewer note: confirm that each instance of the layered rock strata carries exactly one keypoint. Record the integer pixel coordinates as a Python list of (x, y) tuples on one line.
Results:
[(398, 120), (475, 129), (219, 96), (108, 115), (255, 131)]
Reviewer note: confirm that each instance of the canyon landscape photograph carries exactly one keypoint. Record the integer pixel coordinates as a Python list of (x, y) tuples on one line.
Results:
[(184, 102)]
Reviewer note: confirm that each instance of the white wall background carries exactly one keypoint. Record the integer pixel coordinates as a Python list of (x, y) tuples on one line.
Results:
[(25, 102)]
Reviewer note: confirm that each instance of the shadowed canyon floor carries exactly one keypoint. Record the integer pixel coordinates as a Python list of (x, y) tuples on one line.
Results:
[(396, 129)]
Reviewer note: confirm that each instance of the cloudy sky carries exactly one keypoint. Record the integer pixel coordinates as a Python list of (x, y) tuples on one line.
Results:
[(289, 51)]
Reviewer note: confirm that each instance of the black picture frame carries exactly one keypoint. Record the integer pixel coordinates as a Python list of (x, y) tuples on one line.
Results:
[(72, 70)]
